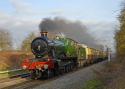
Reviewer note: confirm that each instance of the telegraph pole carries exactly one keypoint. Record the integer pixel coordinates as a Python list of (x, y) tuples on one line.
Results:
[(109, 54)]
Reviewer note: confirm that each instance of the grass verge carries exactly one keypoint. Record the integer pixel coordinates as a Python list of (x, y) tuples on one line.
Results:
[(12, 73), (93, 84)]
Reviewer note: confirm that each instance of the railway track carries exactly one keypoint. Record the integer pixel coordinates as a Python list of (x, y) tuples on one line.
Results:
[(33, 83), (13, 80), (24, 82), (24, 75)]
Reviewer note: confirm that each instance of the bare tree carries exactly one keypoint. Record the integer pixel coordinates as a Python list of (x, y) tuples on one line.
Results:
[(5, 40), (120, 35), (26, 44)]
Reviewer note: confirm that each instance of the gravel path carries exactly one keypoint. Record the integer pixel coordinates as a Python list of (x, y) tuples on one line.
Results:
[(74, 80)]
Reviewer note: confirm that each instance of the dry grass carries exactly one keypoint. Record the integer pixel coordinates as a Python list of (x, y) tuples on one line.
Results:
[(113, 75), (12, 60)]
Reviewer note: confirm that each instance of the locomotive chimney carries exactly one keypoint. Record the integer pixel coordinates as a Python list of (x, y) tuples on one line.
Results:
[(44, 33)]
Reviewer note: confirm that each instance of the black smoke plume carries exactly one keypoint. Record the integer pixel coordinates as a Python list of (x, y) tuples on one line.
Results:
[(75, 30)]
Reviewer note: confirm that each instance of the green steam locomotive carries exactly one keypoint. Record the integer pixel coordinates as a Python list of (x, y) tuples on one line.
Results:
[(59, 55)]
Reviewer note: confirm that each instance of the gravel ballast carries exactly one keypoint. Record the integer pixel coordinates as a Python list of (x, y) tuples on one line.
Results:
[(74, 80)]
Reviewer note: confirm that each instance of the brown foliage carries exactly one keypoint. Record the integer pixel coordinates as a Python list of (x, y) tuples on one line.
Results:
[(26, 44), (12, 60), (113, 75), (120, 36), (5, 40)]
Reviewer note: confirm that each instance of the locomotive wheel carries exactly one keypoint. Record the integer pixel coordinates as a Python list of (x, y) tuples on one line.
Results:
[(56, 72), (48, 74), (66, 68), (85, 64), (61, 70), (33, 74), (39, 74), (51, 73), (71, 68)]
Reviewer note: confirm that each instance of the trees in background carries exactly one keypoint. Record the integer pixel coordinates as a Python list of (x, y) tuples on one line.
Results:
[(5, 40), (26, 44), (120, 35)]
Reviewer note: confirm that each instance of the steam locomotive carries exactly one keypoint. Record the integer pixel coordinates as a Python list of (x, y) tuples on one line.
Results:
[(59, 55)]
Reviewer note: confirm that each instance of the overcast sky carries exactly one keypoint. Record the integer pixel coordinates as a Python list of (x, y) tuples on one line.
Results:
[(24, 16)]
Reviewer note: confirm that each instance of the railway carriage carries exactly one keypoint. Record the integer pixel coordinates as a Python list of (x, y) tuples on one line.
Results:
[(81, 54)]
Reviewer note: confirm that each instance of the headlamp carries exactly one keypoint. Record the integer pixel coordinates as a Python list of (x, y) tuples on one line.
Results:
[(24, 67), (45, 66)]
